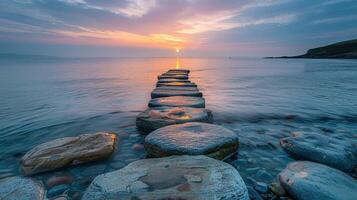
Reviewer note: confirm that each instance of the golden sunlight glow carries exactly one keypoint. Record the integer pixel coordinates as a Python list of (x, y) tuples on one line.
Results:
[(177, 63), (177, 50)]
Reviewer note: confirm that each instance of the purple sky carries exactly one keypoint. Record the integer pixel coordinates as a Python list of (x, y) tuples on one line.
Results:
[(158, 27)]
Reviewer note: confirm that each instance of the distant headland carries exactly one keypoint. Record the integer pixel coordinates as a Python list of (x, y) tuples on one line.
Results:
[(346, 50)]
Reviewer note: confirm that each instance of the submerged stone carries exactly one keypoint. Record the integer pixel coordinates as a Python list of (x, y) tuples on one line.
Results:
[(168, 92), (68, 151), (175, 177), (19, 188), (322, 149), (169, 80), (306, 180), (178, 101), (166, 76), (176, 84), (154, 118), (193, 138)]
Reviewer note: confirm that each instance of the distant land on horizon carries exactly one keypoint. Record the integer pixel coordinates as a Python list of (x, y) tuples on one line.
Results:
[(346, 50)]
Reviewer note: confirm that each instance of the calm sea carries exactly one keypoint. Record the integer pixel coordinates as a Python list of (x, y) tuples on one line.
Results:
[(262, 100)]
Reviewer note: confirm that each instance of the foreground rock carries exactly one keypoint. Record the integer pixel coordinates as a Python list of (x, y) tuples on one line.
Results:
[(192, 139), (154, 118), (322, 149), (166, 92), (176, 177), (178, 76), (306, 180), (19, 188), (170, 80), (178, 101), (68, 151), (176, 84)]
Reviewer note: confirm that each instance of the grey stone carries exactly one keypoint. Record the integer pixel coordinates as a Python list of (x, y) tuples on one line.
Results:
[(175, 177), (170, 80), (68, 151), (177, 88), (179, 70), (178, 76), (167, 92), (176, 84), (261, 187), (306, 180), (154, 118), (19, 188), (178, 101), (194, 138), (319, 148)]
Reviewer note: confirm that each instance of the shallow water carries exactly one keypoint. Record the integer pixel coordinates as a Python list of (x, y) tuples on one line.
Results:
[(262, 100)]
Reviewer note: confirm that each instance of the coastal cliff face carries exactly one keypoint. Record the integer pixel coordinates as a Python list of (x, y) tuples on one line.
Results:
[(346, 49)]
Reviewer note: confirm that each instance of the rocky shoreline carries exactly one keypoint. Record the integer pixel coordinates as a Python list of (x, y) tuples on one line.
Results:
[(188, 150)]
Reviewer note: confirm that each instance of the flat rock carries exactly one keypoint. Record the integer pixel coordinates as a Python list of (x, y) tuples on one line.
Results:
[(169, 80), (193, 138), (20, 188), (306, 180), (176, 84), (179, 70), (322, 149), (178, 88), (154, 118), (176, 72), (185, 77), (178, 101), (68, 151), (166, 92), (175, 177)]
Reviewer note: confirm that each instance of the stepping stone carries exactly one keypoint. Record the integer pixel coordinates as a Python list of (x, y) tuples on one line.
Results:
[(175, 73), (68, 151), (179, 70), (19, 188), (165, 92), (178, 88), (322, 149), (178, 101), (305, 180), (173, 76), (154, 118), (176, 84), (193, 138), (175, 177), (169, 80)]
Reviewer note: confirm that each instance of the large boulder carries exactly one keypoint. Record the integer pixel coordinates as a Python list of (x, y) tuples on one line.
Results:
[(68, 151), (177, 76), (322, 149), (178, 101), (154, 118), (170, 80), (306, 180), (20, 188), (193, 138), (176, 177), (176, 84), (167, 92)]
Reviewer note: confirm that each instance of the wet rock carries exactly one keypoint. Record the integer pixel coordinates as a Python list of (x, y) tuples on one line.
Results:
[(167, 92), (277, 189), (57, 190), (179, 76), (253, 195), (175, 177), (193, 138), (63, 197), (179, 70), (306, 180), (175, 73), (177, 88), (138, 147), (68, 151), (170, 80), (176, 84), (261, 187), (322, 149), (58, 180), (19, 188), (178, 101), (154, 118)]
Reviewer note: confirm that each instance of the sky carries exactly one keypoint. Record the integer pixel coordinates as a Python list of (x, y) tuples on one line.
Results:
[(154, 28)]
